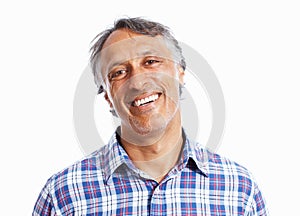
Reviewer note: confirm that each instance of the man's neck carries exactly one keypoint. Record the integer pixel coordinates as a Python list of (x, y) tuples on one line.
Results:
[(158, 158)]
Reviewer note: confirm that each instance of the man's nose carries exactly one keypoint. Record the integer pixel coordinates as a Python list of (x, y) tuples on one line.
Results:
[(138, 78)]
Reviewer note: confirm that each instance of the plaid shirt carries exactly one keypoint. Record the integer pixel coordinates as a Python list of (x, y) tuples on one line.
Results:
[(107, 183)]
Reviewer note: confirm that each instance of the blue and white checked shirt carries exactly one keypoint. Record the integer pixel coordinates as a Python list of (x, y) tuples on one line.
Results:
[(107, 183)]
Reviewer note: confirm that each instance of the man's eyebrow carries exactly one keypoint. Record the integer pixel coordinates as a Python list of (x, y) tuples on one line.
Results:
[(141, 54), (116, 64), (149, 52)]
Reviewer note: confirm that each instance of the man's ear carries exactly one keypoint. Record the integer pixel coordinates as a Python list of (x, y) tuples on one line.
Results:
[(107, 99), (181, 74)]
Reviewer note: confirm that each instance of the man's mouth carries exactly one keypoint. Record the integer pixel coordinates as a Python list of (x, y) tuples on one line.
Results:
[(145, 100)]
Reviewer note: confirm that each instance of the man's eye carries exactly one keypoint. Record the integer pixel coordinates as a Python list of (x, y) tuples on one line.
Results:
[(117, 75), (151, 61)]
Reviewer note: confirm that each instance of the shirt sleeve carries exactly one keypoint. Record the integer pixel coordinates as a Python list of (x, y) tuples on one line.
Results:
[(258, 205), (44, 204)]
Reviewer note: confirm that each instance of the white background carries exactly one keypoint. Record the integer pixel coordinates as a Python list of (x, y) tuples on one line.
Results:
[(253, 47)]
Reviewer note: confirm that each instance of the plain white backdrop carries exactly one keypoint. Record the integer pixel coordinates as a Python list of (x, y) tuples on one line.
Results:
[(253, 47)]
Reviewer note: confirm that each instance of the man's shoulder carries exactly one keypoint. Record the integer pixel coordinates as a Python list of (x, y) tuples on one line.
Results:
[(81, 179), (87, 168), (229, 177), (217, 164), (218, 161), (221, 169)]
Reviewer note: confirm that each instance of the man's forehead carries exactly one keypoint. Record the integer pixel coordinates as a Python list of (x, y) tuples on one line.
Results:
[(135, 43), (124, 45), (118, 35)]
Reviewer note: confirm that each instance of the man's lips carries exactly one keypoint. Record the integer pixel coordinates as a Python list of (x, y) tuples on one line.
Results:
[(142, 100)]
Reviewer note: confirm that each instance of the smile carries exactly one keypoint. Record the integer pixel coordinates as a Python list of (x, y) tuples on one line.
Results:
[(145, 100)]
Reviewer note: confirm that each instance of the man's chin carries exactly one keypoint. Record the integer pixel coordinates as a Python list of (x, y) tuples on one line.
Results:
[(148, 129), (141, 133)]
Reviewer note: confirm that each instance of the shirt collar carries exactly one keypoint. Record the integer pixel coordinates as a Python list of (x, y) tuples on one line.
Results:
[(194, 152), (116, 160), (115, 157)]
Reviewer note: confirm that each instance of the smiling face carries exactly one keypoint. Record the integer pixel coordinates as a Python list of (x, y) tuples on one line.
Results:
[(141, 79)]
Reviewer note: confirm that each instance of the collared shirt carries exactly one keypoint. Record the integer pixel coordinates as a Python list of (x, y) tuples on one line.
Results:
[(108, 183)]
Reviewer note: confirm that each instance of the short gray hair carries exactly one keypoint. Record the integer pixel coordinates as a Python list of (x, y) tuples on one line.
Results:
[(137, 25)]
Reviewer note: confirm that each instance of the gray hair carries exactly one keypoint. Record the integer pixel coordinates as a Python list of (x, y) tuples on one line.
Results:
[(137, 25)]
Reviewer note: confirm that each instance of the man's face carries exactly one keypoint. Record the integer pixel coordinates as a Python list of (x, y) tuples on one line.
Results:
[(141, 81)]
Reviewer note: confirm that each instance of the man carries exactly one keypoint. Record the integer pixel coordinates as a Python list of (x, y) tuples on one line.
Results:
[(149, 167)]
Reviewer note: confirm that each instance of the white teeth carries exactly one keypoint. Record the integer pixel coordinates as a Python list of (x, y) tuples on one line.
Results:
[(146, 100)]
